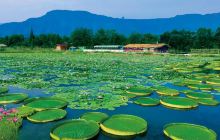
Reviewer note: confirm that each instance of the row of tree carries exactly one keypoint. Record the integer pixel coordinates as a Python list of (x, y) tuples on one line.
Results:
[(181, 40)]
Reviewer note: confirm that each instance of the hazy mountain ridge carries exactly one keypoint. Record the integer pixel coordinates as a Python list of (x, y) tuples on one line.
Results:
[(63, 22)]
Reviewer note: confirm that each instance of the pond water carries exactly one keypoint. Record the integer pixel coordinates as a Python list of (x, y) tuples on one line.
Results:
[(156, 117)]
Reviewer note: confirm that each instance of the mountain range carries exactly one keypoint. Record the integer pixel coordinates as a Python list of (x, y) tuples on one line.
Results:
[(63, 22)]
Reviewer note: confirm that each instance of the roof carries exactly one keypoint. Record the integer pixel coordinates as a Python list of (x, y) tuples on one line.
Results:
[(145, 45), (107, 46)]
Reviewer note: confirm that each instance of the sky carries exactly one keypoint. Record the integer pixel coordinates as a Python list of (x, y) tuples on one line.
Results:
[(20, 10)]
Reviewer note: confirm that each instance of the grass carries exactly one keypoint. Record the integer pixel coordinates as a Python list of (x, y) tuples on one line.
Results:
[(9, 131)]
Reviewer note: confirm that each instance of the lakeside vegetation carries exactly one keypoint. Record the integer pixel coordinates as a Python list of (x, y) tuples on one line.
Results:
[(179, 40)]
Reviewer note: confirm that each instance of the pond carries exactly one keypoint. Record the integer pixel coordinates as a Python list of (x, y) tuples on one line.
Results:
[(89, 84), (157, 117)]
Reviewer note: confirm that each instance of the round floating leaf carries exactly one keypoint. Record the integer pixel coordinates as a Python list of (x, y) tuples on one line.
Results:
[(75, 130), (124, 125), (47, 116), (12, 98), (40, 104), (139, 91), (167, 91), (201, 95), (214, 81), (25, 111), (210, 102), (3, 90), (201, 87), (184, 131), (179, 102), (95, 116), (145, 101)]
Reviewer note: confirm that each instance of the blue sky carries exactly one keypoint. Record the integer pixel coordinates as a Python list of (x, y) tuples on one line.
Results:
[(19, 10)]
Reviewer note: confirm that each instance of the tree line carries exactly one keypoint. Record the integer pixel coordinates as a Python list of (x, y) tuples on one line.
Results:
[(180, 40)]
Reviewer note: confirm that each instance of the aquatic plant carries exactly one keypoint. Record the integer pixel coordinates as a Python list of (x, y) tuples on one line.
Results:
[(145, 101), (9, 124), (25, 111), (88, 82), (199, 95), (3, 89), (74, 130), (161, 90), (139, 90), (179, 102), (184, 131), (209, 102), (47, 116), (12, 98), (45, 103), (124, 125), (98, 117)]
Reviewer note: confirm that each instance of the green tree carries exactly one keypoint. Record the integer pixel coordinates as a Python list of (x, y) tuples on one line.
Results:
[(217, 38), (204, 39), (82, 37), (135, 38), (31, 38), (149, 38), (102, 37), (15, 40), (178, 40)]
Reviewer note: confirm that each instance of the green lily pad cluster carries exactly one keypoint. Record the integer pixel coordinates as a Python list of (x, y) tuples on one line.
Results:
[(45, 109), (88, 82)]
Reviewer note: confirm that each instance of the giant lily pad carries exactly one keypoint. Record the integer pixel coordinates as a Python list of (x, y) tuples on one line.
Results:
[(166, 91), (140, 91), (40, 104), (95, 116), (201, 87), (124, 125), (75, 130), (179, 102), (25, 111), (3, 90), (145, 101), (210, 102), (184, 131), (201, 95), (12, 98), (47, 116), (214, 81)]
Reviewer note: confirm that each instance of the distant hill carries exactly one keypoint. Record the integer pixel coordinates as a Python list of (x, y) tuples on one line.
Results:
[(63, 22)]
